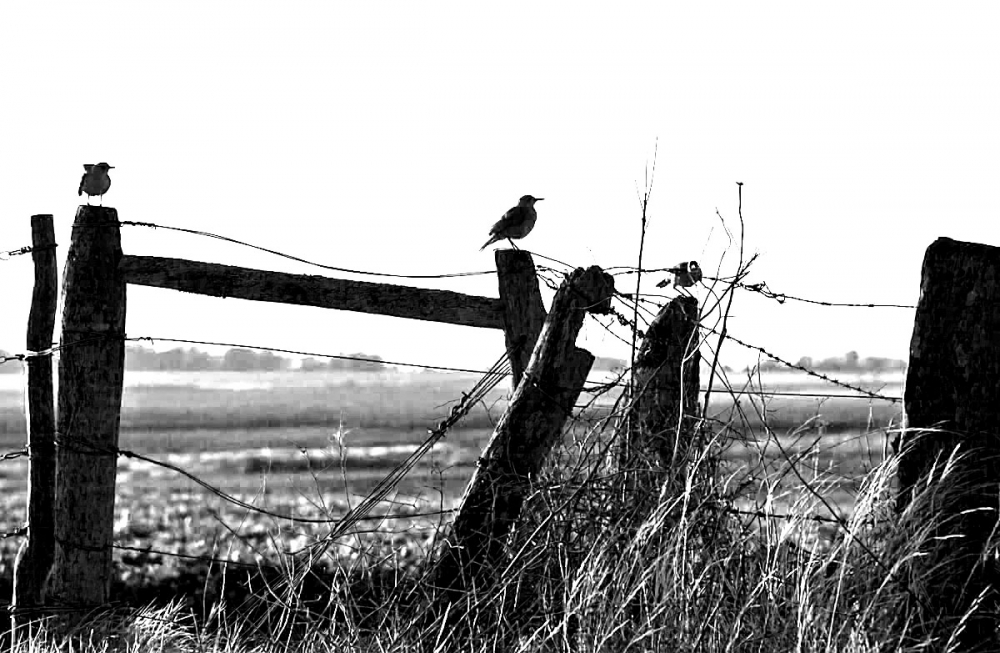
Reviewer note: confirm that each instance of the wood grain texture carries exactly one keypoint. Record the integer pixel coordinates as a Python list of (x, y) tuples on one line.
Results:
[(91, 374), (311, 290), (524, 436)]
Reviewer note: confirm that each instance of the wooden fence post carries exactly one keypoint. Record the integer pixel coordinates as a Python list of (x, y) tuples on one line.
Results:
[(91, 371), (525, 434), (952, 386), (35, 555), (665, 404), (523, 311)]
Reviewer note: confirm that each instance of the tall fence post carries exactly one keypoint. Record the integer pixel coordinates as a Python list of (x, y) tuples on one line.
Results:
[(524, 436), (952, 402), (523, 311), (34, 559), (91, 374), (665, 404)]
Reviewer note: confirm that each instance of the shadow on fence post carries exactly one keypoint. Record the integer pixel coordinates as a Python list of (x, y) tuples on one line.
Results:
[(34, 559), (525, 434), (952, 401), (664, 417), (91, 369)]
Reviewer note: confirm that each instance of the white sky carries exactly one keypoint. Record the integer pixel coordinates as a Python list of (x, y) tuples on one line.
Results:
[(390, 136)]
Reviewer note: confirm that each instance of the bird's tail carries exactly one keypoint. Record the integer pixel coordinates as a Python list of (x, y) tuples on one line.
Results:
[(489, 242)]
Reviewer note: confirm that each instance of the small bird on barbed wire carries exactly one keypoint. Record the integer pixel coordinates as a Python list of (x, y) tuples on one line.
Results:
[(95, 180), (686, 274), (515, 223)]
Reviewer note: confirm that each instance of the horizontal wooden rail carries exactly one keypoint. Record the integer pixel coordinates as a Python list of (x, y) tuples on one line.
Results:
[(312, 290)]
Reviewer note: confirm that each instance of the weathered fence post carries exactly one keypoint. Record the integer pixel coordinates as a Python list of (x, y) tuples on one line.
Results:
[(35, 555), (91, 371), (524, 436), (665, 401), (952, 400), (523, 311)]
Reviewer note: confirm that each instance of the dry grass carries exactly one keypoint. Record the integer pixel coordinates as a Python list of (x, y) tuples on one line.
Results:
[(589, 570)]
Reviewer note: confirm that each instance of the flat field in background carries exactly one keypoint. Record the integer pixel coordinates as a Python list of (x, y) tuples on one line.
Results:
[(312, 444)]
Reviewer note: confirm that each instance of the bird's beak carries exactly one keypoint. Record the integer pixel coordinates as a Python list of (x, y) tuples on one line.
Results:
[(539, 199)]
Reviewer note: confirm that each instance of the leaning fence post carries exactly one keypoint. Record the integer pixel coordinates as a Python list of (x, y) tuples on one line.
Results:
[(35, 556), (91, 371), (665, 401), (523, 311), (527, 431), (952, 401)]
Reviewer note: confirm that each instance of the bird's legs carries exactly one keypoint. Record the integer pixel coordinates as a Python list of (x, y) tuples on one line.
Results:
[(512, 244)]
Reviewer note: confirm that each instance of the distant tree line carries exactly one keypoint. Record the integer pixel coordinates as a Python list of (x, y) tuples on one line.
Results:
[(849, 362), (247, 360), (179, 359)]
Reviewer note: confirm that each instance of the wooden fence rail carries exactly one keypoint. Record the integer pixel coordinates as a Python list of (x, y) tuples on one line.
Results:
[(218, 280), (66, 561), (951, 402)]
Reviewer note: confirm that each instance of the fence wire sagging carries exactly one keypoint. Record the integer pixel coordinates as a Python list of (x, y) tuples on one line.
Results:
[(808, 447)]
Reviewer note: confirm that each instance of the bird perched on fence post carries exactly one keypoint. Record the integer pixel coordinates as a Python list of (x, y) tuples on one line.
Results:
[(95, 180), (686, 274), (515, 223)]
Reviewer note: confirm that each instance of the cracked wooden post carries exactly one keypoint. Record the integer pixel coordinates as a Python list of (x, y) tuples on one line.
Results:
[(952, 402), (665, 408), (91, 371), (524, 436), (523, 311), (35, 555)]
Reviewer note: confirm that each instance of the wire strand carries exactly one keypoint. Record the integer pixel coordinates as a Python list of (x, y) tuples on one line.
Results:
[(306, 261)]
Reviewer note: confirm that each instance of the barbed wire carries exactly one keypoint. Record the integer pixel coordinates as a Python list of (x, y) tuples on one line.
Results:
[(762, 289), (479, 392), (360, 513), (187, 556), (4, 256), (763, 514), (818, 375), (302, 260), (464, 370), (87, 447), (489, 381)]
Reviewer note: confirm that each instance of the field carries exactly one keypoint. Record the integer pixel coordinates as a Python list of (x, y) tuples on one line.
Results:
[(313, 444)]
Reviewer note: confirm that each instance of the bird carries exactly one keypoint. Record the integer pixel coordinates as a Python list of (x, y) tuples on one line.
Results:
[(95, 180), (515, 223), (686, 274)]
